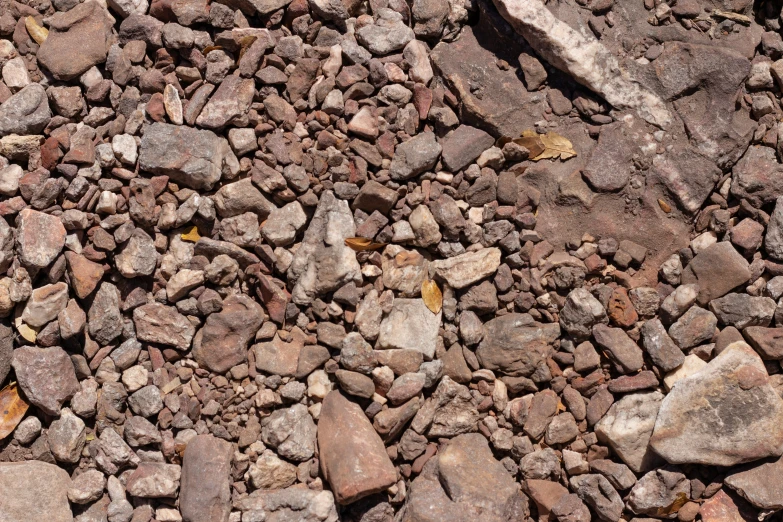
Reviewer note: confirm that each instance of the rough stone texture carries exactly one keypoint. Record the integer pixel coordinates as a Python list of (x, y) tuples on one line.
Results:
[(39, 238), (714, 283), (22, 499), (410, 325), (758, 486), (730, 398), (516, 346), (205, 494), (46, 376), (222, 342)]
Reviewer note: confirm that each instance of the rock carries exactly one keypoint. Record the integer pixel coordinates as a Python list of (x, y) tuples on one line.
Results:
[(768, 342), (404, 270), (695, 327), (46, 376), (154, 480), (449, 412), (656, 492), (270, 472), (66, 437), (162, 324), (598, 493), (146, 401), (468, 268), (717, 270), (755, 178), (425, 229), (6, 350), (87, 487), (138, 257), (300, 504), (323, 262), (352, 456), (84, 275), (389, 33), (773, 240), (180, 284), (659, 346), (571, 51), (222, 343), (240, 197), (411, 158), (279, 357), (608, 168), (26, 112), (624, 353), (410, 325), (78, 39), (463, 146), (44, 304), (580, 313), (465, 482), (195, 158), (230, 101), (619, 475), (545, 494), (734, 413), (743, 310), (356, 384), (571, 509), (515, 345), (756, 486), (291, 432), (39, 238), (283, 224), (22, 499), (104, 318), (205, 494), (627, 428), (692, 364)]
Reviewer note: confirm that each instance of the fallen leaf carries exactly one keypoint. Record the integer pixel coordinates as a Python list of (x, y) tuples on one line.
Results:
[(560, 406), (664, 206), (12, 409), (29, 334), (244, 43), (555, 146), (191, 235), (431, 295), (680, 500), (532, 141), (211, 48), (360, 244), (37, 33)]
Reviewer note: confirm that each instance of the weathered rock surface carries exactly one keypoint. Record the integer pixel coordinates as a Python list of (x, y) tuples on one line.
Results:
[(21, 484)]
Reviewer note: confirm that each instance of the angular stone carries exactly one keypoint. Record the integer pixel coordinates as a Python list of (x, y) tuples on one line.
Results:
[(656, 492), (743, 310), (732, 400), (21, 484), (279, 357), (66, 437), (515, 345), (659, 346), (352, 456), (104, 318), (768, 342), (624, 353), (468, 268), (759, 485), (627, 428), (389, 33), (39, 238), (609, 166), (84, 275), (138, 257), (695, 327), (291, 432), (222, 343), (463, 146), (323, 263), (717, 270), (157, 323), (195, 158), (154, 480), (757, 176), (205, 492), (46, 376), (271, 472), (415, 156), (283, 224), (231, 100), (26, 112), (295, 503), (44, 304), (580, 313), (410, 325), (404, 270)]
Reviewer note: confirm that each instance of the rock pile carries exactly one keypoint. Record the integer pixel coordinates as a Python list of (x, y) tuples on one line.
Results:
[(387, 261)]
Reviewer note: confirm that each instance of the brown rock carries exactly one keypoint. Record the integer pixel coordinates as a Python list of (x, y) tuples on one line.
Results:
[(84, 275), (39, 237), (222, 343), (205, 494), (46, 376), (621, 310)]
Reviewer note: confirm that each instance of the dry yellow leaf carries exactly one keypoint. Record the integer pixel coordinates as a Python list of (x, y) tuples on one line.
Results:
[(555, 146), (28, 333), (431, 295), (360, 244), (37, 33), (664, 206), (680, 500), (211, 48), (407, 258), (12, 409), (560, 406), (191, 235), (531, 140)]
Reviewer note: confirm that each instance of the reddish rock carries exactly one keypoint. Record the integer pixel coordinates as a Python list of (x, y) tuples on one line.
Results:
[(84, 275), (39, 237), (621, 310), (222, 343), (205, 494)]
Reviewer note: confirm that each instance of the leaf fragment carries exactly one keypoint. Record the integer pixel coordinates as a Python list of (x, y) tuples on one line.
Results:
[(12, 409), (555, 146), (664, 206), (191, 234), (360, 244), (432, 296), (680, 500), (407, 258), (37, 33), (211, 48)]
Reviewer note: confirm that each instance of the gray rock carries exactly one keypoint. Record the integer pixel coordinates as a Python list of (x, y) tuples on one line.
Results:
[(283, 224), (21, 484), (87, 487), (271, 472), (291, 432), (6, 351), (468, 268), (146, 401), (742, 404), (773, 240), (624, 353), (157, 323), (389, 33), (757, 485), (418, 154), (659, 346), (44, 304), (154, 480), (46, 376), (300, 504), (66, 437), (580, 313), (515, 345), (195, 158), (138, 257), (463, 146), (627, 428), (743, 310), (619, 475), (323, 263), (410, 325), (104, 318), (718, 269), (657, 491), (598, 493), (26, 112), (39, 238), (695, 327), (449, 412)]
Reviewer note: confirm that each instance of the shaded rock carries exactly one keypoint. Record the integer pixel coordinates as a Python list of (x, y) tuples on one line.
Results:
[(39, 238), (44, 304), (717, 270), (580, 313), (757, 485), (695, 327), (300, 504), (415, 156), (768, 342), (352, 456), (731, 399), (624, 353), (138, 257), (205, 494), (230, 101), (598, 493), (463, 146), (291, 432), (222, 343), (656, 492), (743, 310), (659, 346), (26, 112), (46, 376)]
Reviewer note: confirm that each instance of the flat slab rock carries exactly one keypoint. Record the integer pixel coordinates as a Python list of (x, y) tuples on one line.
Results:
[(353, 457), (714, 416), (205, 491), (410, 325), (760, 485), (515, 345), (22, 501)]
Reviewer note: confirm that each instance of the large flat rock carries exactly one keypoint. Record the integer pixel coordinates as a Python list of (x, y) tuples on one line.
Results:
[(34, 490)]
